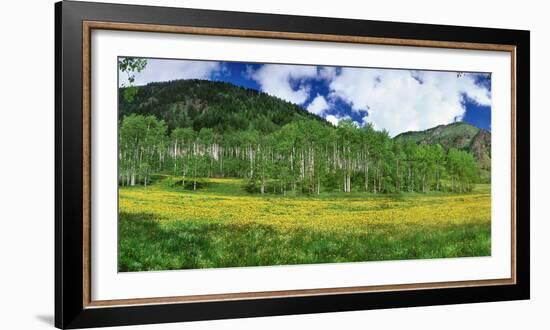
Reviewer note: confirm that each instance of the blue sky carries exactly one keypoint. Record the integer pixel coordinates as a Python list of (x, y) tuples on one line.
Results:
[(391, 99)]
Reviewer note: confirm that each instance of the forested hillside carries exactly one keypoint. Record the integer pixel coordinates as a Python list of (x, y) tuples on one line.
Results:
[(458, 135), (220, 106), (461, 136), (201, 129)]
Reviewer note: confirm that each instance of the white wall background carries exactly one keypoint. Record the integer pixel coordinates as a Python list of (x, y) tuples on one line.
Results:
[(27, 163)]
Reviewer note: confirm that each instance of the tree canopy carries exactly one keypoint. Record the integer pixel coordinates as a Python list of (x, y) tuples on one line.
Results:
[(304, 156)]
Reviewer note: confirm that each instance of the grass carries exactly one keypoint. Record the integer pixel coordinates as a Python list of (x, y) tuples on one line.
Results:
[(164, 227)]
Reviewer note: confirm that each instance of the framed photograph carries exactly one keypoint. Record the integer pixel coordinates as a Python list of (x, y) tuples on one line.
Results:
[(215, 164)]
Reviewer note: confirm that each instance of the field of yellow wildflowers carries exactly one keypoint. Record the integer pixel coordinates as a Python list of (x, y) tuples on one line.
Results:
[(163, 226)]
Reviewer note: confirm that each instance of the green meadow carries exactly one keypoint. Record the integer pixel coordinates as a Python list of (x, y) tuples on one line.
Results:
[(165, 226)]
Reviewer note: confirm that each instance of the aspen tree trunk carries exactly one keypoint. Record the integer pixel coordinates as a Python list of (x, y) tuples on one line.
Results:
[(302, 166), (133, 178), (195, 178), (367, 177), (375, 176), (318, 185), (221, 164), (412, 178), (409, 178), (437, 179), (379, 178), (262, 188), (345, 183), (397, 180), (424, 181), (251, 161), (210, 167)]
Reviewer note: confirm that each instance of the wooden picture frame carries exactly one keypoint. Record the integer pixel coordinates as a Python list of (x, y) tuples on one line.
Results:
[(74, 307)]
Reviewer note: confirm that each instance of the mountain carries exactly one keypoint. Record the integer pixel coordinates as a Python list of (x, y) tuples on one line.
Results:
[(225, 107), (211, 104), (457, 135)]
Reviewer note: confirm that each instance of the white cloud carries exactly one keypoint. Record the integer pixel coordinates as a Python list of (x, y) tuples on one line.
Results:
[(249, 72), (318, 106), (332, 119), (327, 72), (222, 70), (335, 119), (277, 79), (402, 100), (166, 70)]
